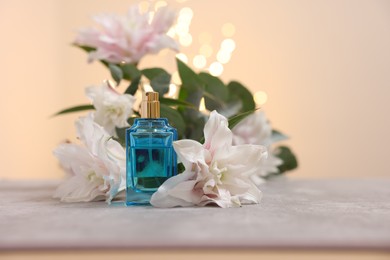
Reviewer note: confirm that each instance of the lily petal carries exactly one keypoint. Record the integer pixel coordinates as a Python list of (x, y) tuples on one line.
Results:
[(217, 133), (189, 152), (165, 197)]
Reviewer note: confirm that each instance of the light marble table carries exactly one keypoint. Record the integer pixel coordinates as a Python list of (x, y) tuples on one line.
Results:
[(294, 214)]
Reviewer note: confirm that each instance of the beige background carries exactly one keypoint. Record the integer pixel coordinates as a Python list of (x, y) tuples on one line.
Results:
[(324, 65)]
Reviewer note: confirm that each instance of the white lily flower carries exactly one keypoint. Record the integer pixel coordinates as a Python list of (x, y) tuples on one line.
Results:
[(95, 171), (112, 108), (256, 129), (129, 38), (215, 172)]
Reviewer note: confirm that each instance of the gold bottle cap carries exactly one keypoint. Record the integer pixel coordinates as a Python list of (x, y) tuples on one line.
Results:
[(150, 106)]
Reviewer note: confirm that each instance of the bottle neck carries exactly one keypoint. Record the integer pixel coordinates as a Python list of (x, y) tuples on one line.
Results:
[(145, 121)]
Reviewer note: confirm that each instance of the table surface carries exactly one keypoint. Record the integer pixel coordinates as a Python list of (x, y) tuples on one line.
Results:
[(293, 214)]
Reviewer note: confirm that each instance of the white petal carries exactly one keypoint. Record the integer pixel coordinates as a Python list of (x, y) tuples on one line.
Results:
[(163, 198), (253, 196), (217, 133), (254, 129), (224, 200), (189, 152), (90, 133), (112, 108), (257, 180), (242, 159), (71, 156), (78, 189), (163, 19)]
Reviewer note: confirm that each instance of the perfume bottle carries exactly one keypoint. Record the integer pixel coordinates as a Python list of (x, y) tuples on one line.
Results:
[(150, 157)]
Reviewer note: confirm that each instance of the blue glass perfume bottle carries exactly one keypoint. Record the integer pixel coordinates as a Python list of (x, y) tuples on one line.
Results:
[(150, 157)]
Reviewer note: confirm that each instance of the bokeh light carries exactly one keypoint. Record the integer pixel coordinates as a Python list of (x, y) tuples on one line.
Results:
[(172, 90), (159, 4), (228, 45), (205, 38), (181, 29), (144, 6), (216, 69), (182, 57), (202, 106), (171, 32), (199, 61), (260, 98), (185, 39), (228, 30), (206, 50), (223, 56), (176, 78), (185, 15), (147, 87), (151, 15)]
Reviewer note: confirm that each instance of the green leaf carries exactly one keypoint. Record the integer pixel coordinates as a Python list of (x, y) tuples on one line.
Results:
[(131, 120), (74, 109), (133, 87), (191, 91), (121, 133), (116, 73), (290, 162), (193, 97), (85, 48), (153, 72), (174, 118), (176, 102), (195, 126), (161, 83), (216, 92), (239, 92), (190, 80), (180, 168), (88, 49), (130, 71), (233, 121), (277, 136), (159, 79)]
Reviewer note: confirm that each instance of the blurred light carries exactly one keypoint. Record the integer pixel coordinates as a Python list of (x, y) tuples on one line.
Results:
[(202, 106), (147, 87), (182, 57), (206, 50), (151, 15), (138, 99), (181, 29), (172, 90), (185, 15), (159, 4), (112, 84), (171, 32), (185, 40), (176, 78), (216, 69), (228, 45), (144, 6), (260, 97), (205, 37), (184, 20), (223, 56), (228, 30), (199, 61)]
